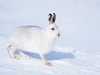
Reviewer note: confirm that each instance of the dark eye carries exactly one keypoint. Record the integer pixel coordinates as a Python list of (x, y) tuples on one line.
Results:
[(52, 28)]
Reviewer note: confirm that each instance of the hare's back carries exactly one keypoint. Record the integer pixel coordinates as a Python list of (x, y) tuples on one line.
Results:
[(26, 29), (22, 33)]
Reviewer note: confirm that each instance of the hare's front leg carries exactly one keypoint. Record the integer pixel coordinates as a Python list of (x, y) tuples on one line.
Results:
[(11, 53), (44, 60), (23, 55)]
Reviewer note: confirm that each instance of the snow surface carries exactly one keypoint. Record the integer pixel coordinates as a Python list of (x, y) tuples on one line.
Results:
[(76, 52)]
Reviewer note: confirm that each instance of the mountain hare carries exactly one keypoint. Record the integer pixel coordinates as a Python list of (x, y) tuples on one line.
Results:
[(34, 39)]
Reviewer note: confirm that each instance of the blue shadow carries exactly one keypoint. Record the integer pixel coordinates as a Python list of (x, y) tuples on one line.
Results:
[(53, 55)]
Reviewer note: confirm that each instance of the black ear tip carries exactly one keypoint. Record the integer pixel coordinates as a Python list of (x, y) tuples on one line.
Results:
[(50, 14), (54, 13)]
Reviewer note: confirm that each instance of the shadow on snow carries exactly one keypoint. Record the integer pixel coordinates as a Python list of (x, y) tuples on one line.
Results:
[(53, 55)]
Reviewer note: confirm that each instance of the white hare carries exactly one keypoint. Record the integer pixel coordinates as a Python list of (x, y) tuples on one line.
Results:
[(34, 39)]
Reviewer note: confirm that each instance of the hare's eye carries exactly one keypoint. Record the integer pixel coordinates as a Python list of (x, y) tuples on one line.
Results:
[(52, 28)]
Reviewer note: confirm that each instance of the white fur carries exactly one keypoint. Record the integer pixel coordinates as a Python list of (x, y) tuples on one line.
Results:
[(33, 38)]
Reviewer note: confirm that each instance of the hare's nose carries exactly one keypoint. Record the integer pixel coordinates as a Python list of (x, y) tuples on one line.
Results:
[(58, 34)]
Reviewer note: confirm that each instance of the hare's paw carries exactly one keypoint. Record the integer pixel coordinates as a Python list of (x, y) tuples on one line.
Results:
[(25, 56), (48, 64), (15, 57)]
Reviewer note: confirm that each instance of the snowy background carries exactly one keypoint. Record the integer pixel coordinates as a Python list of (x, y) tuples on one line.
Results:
[(76, 52)]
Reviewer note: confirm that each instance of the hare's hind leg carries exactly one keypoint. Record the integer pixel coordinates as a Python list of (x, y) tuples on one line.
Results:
[(23, 55), (45, 61), (11, 53)]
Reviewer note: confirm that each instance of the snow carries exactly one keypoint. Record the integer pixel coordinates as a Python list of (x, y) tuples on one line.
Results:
[(65, 61), (76, 52)]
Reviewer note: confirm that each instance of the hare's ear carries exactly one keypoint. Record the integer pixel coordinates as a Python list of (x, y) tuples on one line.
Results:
[(50, 18), (54, 18)]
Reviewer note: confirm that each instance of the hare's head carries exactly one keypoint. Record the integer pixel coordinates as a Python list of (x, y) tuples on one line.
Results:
[(52, 29)]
